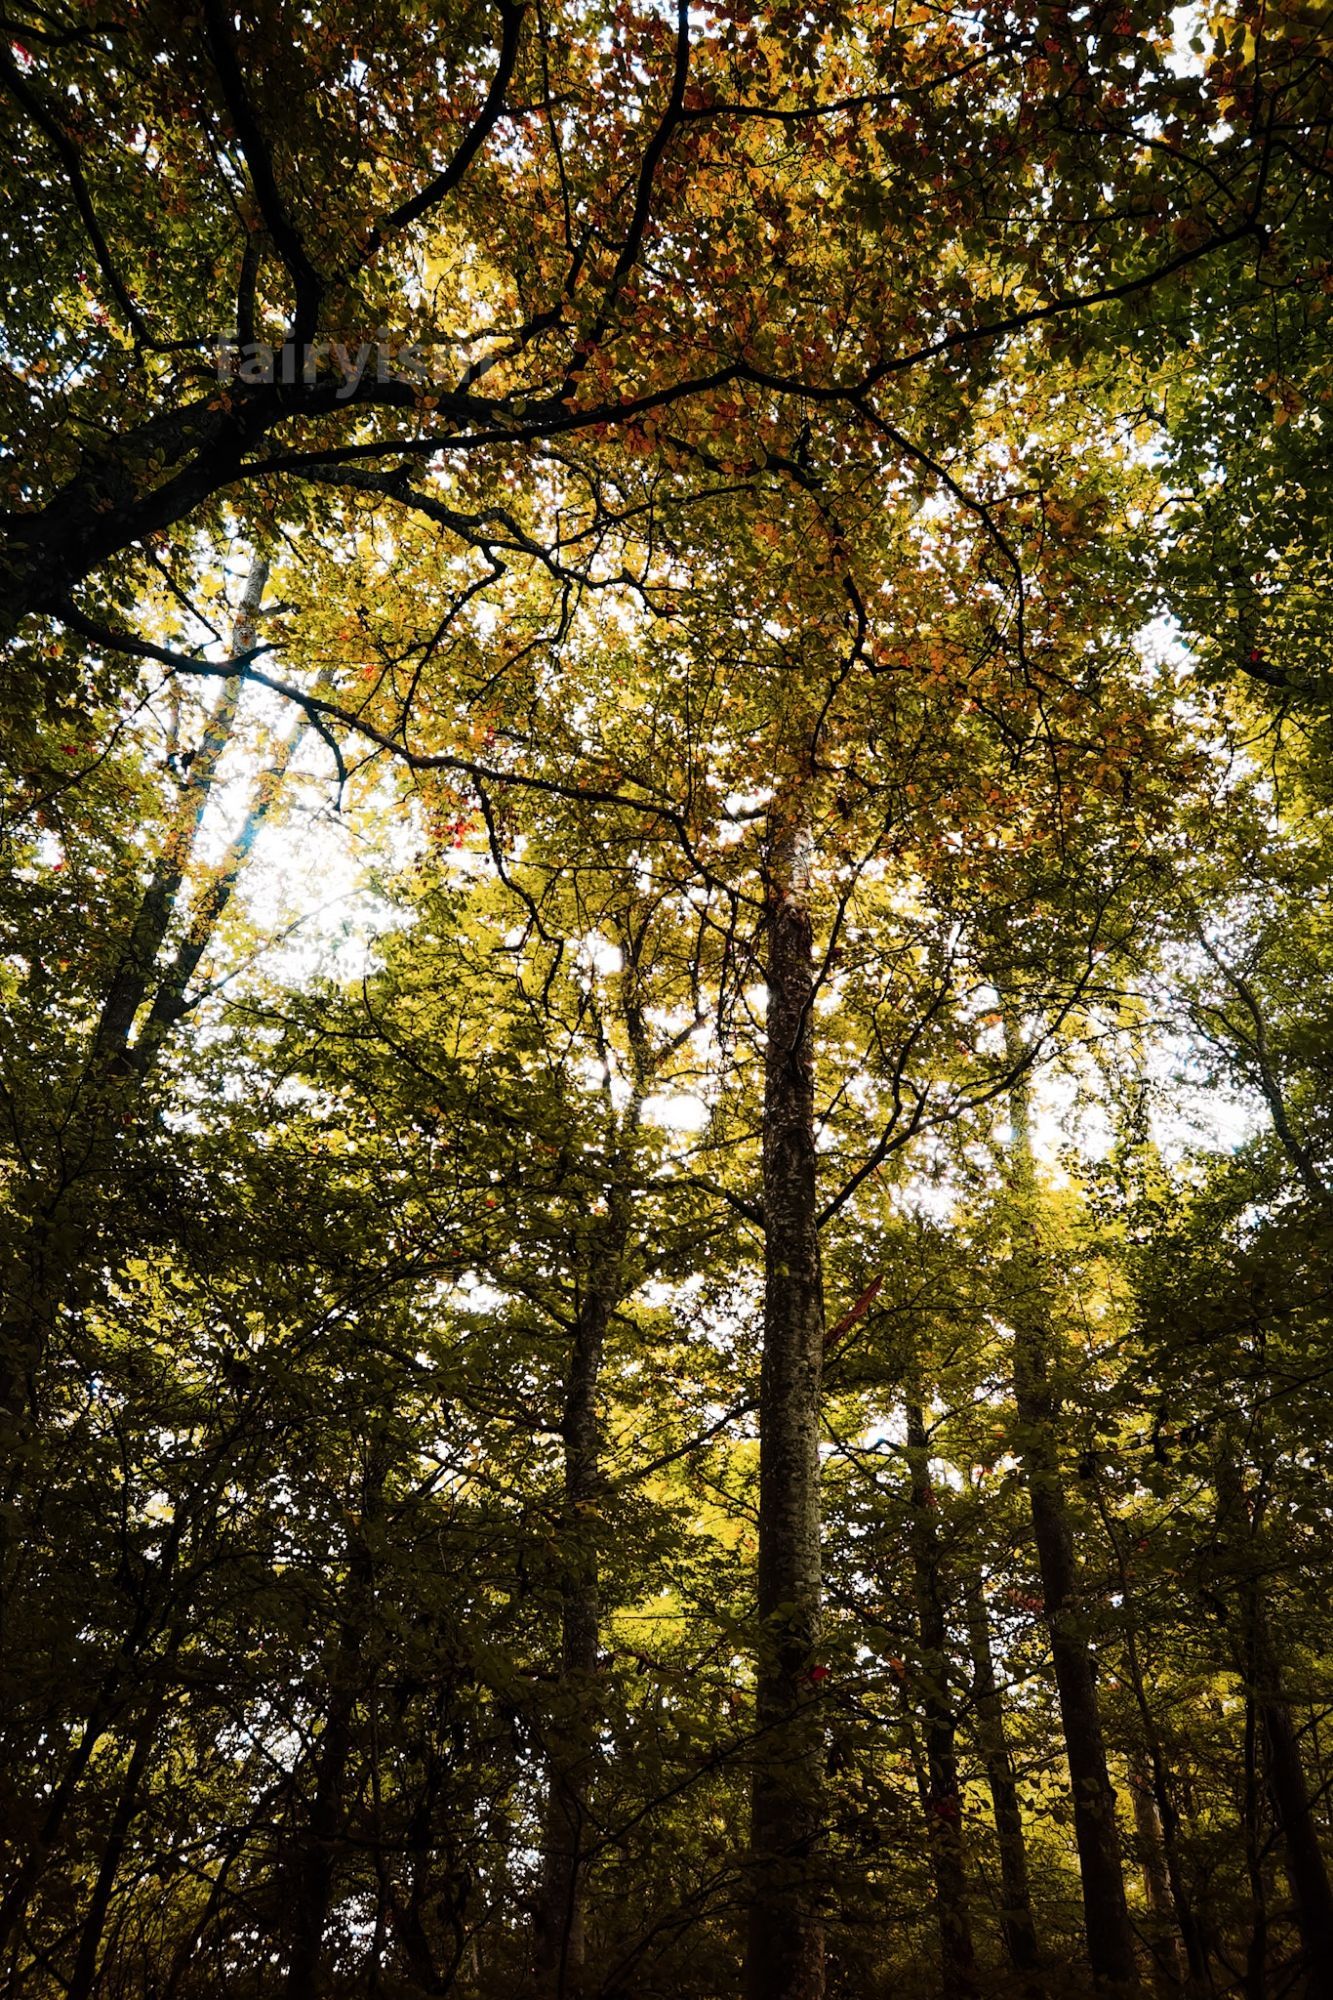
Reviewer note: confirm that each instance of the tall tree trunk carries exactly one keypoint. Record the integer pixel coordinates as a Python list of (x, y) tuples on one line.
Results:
[(1111, 1954), (1257, 1659), (133, 977), (560, 1932), (1150, 1779), (785, 1955), (1168, 1954), (94, 1924), (171, 999), (1307, 1870), (560, 1941), (944, 1803), (1256, 1945), (1016, 1920), (114, 1692), (57, 1240), (314, 1856)]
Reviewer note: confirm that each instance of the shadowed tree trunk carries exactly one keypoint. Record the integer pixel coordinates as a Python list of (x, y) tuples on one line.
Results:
[(560, 1941), (1155, 1816), (1111, 1953), (943, 1803), (560, 1925), (314, 1859), (1256, 1945), (1016, 1921), (1168, 1954), (785, 1955), (1257, 1659), (1307, 1870), (57, 1240), (84, 1974), (159, 1609)]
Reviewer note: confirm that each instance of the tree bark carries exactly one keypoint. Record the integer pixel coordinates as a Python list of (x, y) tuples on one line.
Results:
[(1307, 1870), (1257, 1659), (944, 1804), (1017, 1925), (785, 1956), (315, 1856), (1150, 1782), (57, 1240), (1256, 1945), (560, 1940), (134, 975), (84, 1974), (1169, 1963), (560, 1943), (1111, 1954)]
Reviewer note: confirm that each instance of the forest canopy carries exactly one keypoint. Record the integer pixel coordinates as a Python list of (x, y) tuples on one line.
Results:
[(665, 1065)]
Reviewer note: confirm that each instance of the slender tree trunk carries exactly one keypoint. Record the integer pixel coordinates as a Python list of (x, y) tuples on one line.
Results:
[(1016, 1920), (171, 1000), (134, 975), (1194, 1972), (313, 1870), (94, 1924), (1111, 1953), (408, 1917), (785, 1956), (1149, 1769), (1169, 1965), (560, 1942), (944, 1803), (57, 1241), (15, 1901), (1256, 1945), (315, 1856), (1105, 1912), (1307, 1870)]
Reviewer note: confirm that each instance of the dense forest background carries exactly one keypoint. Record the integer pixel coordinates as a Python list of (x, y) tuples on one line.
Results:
[(666, 1063)]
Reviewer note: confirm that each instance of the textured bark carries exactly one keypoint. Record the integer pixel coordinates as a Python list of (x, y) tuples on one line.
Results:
[(785, 1955), (1017, 1925), (1111, 1954), (944, 1803), (1105, 1912)]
